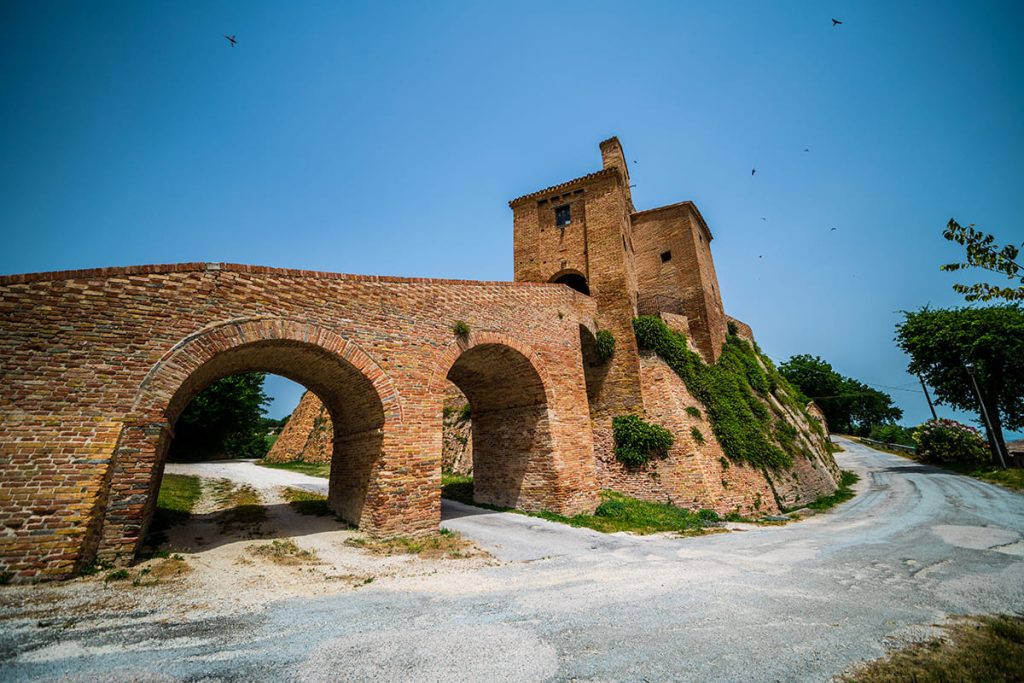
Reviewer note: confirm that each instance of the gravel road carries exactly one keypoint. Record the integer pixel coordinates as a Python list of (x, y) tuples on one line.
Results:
[(801, 602)]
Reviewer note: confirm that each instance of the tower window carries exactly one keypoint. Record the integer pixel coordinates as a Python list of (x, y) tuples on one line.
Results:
[(666, 256), (563, 216)]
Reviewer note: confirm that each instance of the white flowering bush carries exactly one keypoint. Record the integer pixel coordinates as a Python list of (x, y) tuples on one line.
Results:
[(948, 441)]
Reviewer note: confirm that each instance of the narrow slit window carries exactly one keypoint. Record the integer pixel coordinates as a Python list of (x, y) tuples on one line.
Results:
[(666, 256), (563, 216)]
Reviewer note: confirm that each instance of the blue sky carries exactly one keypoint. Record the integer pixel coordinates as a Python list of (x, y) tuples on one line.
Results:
[(386, 138)]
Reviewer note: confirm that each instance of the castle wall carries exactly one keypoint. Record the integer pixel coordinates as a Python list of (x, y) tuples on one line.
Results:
[(98, 363)]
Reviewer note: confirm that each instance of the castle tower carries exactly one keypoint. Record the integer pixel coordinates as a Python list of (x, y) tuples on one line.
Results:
[(579, 233)]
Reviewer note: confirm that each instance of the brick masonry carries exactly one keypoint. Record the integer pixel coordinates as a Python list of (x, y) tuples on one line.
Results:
[(97, 365)]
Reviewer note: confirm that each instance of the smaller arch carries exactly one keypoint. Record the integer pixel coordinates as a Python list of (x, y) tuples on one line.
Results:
[(572, 278)]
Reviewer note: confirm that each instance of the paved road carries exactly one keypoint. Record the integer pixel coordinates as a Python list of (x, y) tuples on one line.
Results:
[(794, 603)]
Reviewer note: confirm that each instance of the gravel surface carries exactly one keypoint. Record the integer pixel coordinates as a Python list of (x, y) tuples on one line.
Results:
[(800, 602)]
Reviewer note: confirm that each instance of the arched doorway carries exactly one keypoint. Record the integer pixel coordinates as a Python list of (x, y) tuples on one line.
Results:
[(573, 279), (334, 369), (511, 435)]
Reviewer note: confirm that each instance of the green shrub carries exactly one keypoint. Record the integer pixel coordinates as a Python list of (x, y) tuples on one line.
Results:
[(740, 421), (693, 411), (896, 434), (698, 438), (461, 329), (117, 575), (605, 345), (637, 441), (948, 441)]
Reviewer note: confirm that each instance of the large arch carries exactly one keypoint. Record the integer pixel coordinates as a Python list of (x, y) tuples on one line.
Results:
[(358, 395), (513, 445)]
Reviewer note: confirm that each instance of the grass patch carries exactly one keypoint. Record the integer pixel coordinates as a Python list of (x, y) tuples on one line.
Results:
[(988, 648), (178, 494), (313, 469), (445, 544), (618, 512), (844, 493), (306, 502), (284, 552), (457, 487), (1012, 478)]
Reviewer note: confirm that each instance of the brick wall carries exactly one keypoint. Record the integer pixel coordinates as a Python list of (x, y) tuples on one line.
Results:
[(98, 364)]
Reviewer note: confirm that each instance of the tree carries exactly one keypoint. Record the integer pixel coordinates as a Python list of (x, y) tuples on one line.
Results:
[(849, 405), (982, 253), (224, 419), (943, 343)]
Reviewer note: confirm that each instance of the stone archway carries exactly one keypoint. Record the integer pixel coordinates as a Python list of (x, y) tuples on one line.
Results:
[(514, 448), (360, 398)]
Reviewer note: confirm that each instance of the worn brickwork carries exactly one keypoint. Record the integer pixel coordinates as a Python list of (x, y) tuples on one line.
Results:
[(652, 262), (308, 434), (97, 365)]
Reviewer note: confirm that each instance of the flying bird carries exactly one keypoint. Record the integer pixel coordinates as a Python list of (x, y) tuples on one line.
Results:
[(763, 218), (835, 22), (833, 229), (634, 161), (806, 150), (753, 171), (231, 39)]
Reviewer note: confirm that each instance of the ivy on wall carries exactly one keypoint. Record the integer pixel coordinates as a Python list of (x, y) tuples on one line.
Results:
[(734, 392), (637, 441)]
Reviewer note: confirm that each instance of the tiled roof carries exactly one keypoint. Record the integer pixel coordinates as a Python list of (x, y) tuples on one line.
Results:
[(553, 188)]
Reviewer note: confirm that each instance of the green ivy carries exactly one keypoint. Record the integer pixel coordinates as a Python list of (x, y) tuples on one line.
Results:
[(637, 441), (729, 391), (605, 345)]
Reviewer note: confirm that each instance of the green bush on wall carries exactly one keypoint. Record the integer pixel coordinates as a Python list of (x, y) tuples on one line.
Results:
[(729, 391), (605, 345), (461, 329), (637, 441)]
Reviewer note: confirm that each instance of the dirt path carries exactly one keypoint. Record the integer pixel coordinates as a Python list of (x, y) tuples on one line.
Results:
[(800, 602)]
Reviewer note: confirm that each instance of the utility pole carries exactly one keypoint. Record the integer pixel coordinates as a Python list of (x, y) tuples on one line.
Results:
[(984, 413), (927, 397)]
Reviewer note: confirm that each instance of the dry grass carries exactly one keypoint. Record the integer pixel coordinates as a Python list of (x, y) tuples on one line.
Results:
[(446, 544), (987, 649), (244, 507), (284, 552), (306, 502)]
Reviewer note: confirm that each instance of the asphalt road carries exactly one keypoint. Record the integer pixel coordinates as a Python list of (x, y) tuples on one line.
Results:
[(795, 603)]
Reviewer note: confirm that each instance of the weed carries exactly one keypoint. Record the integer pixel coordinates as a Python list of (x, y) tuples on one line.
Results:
[(844, 493), (637, 441), (284, 552), (117, 575), (449, 545), (697, 436), (605, 345), (693, 411), (461, 329), (724, 462)]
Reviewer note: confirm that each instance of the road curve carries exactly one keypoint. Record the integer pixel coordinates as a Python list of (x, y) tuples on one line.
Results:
[(796, 603)]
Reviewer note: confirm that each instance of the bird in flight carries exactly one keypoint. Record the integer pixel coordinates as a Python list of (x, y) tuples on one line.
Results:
[(753, 171), (231, 39), (833, 229), (763, 218), (835, 22), (634, 161), (806, 150)]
